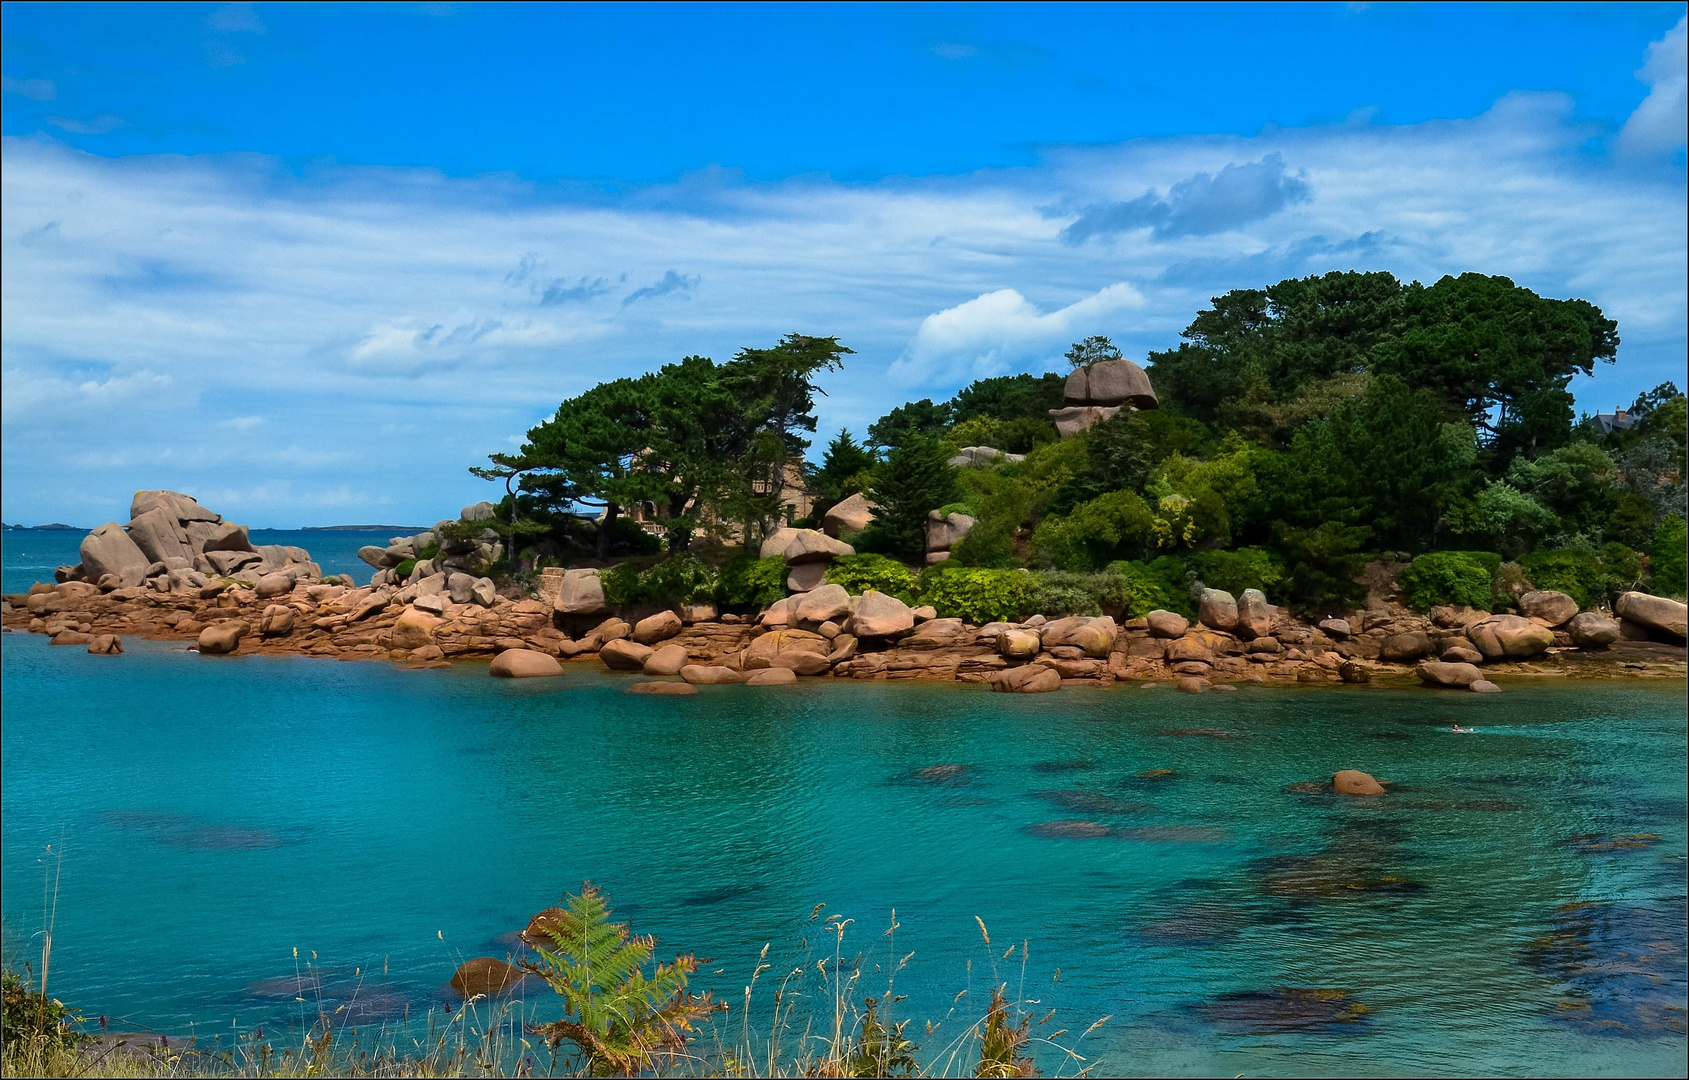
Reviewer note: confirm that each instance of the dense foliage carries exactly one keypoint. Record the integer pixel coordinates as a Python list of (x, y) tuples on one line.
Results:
[(1305, 429)]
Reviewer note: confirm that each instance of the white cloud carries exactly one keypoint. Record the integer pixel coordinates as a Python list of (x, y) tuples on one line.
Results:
[(241, 423), (1659, 123), (397, 321), (33, 89), (1001, 332)]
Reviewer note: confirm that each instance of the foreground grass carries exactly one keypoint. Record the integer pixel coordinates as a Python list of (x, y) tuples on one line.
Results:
[(620, 1017)]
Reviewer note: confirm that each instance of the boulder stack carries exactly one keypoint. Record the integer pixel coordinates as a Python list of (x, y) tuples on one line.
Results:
[(1100, 391), (175, 545)]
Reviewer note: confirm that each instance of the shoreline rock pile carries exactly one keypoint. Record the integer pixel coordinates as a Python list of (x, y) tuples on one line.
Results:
[(262, 601), (174, 545)]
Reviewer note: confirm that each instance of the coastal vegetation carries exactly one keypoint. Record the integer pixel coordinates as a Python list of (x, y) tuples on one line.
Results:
[(1304, 430), (616, 1013)]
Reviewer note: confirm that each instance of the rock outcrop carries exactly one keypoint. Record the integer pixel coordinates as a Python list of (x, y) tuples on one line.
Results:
[(850, 516), (1656, 613), (944, 531), (972, 456), (1100, 391), (173, 544)]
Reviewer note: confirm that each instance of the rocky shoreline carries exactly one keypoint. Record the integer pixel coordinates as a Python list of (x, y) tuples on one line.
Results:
[(264, 602)]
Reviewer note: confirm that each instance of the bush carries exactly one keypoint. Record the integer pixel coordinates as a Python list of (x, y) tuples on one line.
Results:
[(679, 579), (1062, 592), (1666, 558), (1145, 587), (977, 594), (29, 1015), (1449, 577), (859, 573), (403, 570), (750, 582), (1104, 528), (1589, 577), (1235, 571)]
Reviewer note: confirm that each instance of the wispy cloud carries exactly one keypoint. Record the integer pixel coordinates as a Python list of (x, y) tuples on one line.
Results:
[(103, 124), (389, 316), (671, 283), (236, 19), (1198, 205), (33, 89), (1659, 123)]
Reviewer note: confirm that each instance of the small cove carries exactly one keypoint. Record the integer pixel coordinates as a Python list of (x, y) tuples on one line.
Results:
[(216, 814)]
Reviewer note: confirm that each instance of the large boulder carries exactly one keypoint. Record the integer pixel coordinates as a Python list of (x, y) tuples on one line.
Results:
[(1217, 609), (160, 536), (1355, 782), (481, 511), (812, 546), (773, 676), (524, 664), (944, 531), (806, 576), (777, 541), (1026, 679), (1593, 630), (1401, 648), (667, 660), (1073, 419), (580, 593), (229, 562), (1509, 637), (1254, 614), (974, 456), (207, 537), (1095, 636), (850, 516), (272, 585), (658, 627), (1670, 617), (1189, 649), (183, 508), (221, 638), (1438, 673), (1018, 644), (1547, 607), (276, 621), (412, 630), (1167, 624), (1111, 382), (799, 650), (105, 644), (624, 655), (874, 614), (377, 557), (109, 550), (823, 604)]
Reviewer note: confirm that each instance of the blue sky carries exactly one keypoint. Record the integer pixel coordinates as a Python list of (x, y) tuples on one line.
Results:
[(312, 261)]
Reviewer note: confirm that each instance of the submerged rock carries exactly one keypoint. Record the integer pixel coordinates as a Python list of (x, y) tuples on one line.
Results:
[(485, 976), (1355, 782), (1069, 830), (675, 689), (1283, 1011)]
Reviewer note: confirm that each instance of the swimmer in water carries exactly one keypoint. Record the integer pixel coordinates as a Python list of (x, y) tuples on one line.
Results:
[(1457, 729)]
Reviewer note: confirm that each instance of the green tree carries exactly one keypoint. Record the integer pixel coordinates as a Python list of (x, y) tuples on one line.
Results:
[(1093, 350), (1009, 397), (913, 421), (915, 478), (846, 469)]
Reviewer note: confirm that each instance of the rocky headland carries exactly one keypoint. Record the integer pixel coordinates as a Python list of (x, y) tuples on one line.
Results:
[(179, 572)]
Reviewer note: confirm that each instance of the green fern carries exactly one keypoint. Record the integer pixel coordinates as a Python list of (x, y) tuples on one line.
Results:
[(619, 1018), (1001, 1042)]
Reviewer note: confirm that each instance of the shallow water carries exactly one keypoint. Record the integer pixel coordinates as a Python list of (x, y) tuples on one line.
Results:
[(214, 814)]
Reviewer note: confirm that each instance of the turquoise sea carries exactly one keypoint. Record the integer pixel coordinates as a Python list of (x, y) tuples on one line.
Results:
[(1516, 904)]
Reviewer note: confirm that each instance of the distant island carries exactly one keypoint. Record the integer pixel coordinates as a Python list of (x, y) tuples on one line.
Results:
[(356, 528), (57, 526)]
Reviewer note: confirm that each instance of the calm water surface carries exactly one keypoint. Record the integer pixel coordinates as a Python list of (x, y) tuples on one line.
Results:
[(1515, 905)]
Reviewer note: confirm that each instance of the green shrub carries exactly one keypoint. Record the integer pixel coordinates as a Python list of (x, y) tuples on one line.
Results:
[(1146, 587), (977, 594), (1586, 576), (431, 551), (1235, 571), (403, 570), (1104, 528), (1063, 592), (682, 578), (1666, 558), (28, 1016), (621, 584), (859, 573), (750, 582), (1449, 577)]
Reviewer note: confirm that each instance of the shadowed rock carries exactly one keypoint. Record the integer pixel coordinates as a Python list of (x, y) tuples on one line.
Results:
[(485, 976), (1068, 830), (1092, 802), (1283, 1011)]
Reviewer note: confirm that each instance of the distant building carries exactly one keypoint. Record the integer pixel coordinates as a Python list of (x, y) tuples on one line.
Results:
[(1617, 420)]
